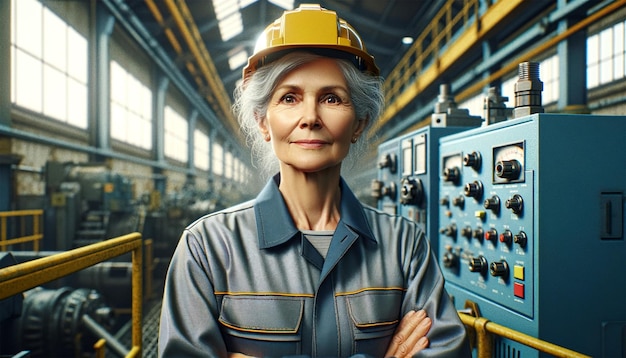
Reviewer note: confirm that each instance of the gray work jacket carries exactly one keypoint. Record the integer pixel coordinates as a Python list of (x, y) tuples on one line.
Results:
[(245, 280)]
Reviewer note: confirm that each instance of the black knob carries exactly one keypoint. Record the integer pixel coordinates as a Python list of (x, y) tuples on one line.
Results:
[(459, 201), (472, 160), (412, 191), (478, 264), (516, 203), (506, 237), (467, 232), (508, 169), (452, 174), (499, 269), (492, 204), (449, 230), (478, 233), (450, 259), (475, 189), (520, 238), (444, 201)]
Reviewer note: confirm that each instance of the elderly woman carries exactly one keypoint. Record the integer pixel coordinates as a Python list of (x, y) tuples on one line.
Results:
[(305, 269)]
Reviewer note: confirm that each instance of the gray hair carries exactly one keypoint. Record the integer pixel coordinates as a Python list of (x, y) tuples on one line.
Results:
[(253, 97)]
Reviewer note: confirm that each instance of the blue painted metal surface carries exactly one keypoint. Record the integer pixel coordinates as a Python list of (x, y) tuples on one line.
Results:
[(539, 239)]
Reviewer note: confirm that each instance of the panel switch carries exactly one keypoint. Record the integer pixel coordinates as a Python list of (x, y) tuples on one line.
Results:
[(611, 216)]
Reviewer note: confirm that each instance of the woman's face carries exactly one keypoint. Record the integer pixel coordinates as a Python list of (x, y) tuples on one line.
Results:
[(310, 118)]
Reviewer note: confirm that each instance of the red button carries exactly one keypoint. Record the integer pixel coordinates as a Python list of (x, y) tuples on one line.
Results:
[(518, 289)]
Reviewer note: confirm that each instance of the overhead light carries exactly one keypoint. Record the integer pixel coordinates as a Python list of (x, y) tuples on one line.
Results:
[(237, 59), (407, 40), (285, 4)]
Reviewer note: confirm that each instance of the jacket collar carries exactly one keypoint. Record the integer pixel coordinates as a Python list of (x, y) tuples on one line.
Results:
[(275, 225)]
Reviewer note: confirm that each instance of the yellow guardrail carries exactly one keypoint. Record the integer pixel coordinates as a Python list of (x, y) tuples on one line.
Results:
[(481, 331), (37, 228), (21, 277)]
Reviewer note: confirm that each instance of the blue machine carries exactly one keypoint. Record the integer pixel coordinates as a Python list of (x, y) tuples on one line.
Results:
[(531, 229), (408, 177), (408, 174)]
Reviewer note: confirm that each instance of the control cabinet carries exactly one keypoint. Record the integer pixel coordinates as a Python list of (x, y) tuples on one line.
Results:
[(531, 229), (408, 177)]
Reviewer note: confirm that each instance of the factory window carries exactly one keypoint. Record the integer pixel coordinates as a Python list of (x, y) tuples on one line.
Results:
[(549, 75), (606, 59), (201, 150), (218, 159), (176, 134), (474, 105), (131, 108), (229, 164), (48, 56)]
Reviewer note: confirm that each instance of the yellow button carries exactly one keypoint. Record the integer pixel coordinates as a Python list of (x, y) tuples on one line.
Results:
[(518, 272), (480, 214)]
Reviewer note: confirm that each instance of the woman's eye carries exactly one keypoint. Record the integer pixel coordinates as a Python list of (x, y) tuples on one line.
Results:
[(332, 99), (288, 98)]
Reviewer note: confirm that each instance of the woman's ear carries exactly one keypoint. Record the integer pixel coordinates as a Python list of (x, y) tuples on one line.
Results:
[(263, 129), (361, 125)]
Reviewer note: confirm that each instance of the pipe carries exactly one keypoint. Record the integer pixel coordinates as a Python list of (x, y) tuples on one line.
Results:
[(99, 331)]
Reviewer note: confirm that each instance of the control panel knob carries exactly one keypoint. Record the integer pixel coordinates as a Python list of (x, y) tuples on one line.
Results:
[(506, 237), (478, 264), (520, 238), (452, 175), (508, 169), (379, 190), (467, 232), (412, 191), (474, 190), (444, 201), (478, 233), (516, 203), (449, 230), (491, 235), (499, 269), (492, 204), (388, 161), (459, 201), (450, 259), (472, 160)]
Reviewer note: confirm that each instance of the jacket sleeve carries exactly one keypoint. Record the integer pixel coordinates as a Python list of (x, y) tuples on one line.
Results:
[(189, 314), (425, 290)]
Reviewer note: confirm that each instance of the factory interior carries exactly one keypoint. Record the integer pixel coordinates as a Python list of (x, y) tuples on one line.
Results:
[(503, 135)]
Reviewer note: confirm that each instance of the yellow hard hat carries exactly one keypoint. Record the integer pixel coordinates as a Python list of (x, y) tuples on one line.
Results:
[(310, 27)]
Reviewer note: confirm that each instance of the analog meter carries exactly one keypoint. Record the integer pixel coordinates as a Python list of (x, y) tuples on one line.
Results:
[(508, 163)]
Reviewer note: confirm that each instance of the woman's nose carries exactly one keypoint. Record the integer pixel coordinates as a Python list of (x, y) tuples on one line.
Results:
[(310, 115)]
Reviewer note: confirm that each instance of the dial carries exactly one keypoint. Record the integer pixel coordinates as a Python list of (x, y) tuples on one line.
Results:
[(508, 163)]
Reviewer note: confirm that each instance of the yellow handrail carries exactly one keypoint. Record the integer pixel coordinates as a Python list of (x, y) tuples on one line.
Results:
[(36, 235), (484, 330), (21, 277)]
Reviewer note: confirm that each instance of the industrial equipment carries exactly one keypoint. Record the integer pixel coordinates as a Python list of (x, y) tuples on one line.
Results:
[(58, 323), (408, 171), (88, 203), (532, 228)]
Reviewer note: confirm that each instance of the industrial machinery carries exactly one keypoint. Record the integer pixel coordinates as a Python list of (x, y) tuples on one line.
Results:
[(64, 322), (408, 172), (88, 203), (532, 228)]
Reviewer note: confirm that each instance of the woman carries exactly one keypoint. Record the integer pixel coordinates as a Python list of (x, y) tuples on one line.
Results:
[(305, 268)]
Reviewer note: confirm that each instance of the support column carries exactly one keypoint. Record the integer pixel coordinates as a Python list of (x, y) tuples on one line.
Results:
[(572, 53)]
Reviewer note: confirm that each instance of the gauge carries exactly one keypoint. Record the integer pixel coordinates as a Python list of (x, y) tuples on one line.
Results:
[(508, 163)]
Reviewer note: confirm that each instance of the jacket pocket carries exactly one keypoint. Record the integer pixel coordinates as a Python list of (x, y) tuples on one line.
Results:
[(262, 325), (375, 315)]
